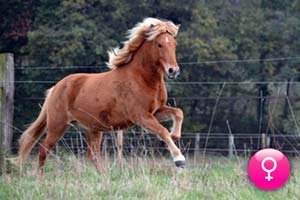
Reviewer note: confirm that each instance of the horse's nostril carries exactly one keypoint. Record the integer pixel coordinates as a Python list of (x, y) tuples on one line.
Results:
[(170, 70)]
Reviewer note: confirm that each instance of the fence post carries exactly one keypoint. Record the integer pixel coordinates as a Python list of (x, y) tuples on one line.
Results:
[(230, 145), (1, 149), (197, 150), (268, 141), (6, 101), (263, 140)]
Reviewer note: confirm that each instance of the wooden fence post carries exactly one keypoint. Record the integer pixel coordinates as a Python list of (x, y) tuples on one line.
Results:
[(1, 150), (268, 141), (197, 147), (263, 140), (6, 101), (230, 145)]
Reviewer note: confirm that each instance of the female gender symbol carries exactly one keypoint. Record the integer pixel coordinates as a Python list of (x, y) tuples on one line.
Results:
[(268, 161), (269, 177)]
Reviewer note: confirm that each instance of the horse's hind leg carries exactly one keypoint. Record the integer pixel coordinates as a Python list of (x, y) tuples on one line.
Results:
[(55, 132), (94, 142)]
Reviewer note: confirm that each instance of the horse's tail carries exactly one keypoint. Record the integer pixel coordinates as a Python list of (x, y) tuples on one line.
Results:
[(33, 133)]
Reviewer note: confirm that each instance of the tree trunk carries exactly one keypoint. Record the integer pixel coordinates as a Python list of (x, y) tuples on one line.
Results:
[(262, 92), (6, 101)]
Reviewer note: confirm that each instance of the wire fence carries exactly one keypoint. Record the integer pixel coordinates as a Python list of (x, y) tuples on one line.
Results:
[(104, 66), (194, 143)]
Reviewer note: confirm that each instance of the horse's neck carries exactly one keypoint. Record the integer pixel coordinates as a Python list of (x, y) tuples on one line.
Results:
[(146, 68)]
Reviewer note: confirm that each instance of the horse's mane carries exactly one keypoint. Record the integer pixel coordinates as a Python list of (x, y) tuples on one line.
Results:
[(149, 29)]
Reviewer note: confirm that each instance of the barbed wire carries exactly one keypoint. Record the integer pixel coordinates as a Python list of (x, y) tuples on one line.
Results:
[(242, 60), (188, 135), (141, 142), (242, 97), (179, 82), (160, 148), (194, 135), (180, 63)]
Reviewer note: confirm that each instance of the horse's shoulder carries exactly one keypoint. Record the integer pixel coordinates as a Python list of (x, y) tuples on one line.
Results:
[(71, 83), (72, 77), (78, 78)]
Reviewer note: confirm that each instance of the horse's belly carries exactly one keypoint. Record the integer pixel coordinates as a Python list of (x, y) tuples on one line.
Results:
[(102, 119), (122, 125)]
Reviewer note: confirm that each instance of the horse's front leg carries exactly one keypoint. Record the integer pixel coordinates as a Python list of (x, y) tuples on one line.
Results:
[(149, 122), (94, 142), (167, 113), (120, 147)]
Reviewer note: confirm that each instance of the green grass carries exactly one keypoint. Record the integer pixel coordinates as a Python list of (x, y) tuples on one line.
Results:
[(72, 177)]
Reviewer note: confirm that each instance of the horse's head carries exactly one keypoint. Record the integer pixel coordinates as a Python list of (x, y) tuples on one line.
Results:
[(159, 46), (164, 54)]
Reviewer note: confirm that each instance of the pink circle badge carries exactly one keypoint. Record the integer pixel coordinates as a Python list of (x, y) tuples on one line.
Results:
[(269, 169)]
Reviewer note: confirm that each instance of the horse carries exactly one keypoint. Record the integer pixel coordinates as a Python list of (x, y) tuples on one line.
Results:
[(120, 148), (132, 93)]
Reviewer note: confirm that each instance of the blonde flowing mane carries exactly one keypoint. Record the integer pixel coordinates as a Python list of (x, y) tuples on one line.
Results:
[(149, 29)]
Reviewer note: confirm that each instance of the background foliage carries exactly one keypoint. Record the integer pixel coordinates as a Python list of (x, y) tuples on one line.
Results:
[(218, 41)]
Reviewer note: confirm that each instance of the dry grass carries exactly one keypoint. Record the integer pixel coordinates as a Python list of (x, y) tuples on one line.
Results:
[(70, 177)]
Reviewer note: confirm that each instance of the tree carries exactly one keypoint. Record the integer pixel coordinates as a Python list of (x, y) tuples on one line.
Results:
[(16, 19), (215, 43)]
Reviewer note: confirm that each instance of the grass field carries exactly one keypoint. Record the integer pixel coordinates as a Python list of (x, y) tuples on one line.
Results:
[(70, 177)]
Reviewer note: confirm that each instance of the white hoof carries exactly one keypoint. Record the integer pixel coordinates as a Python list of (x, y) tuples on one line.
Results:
[(180, 161), (180, 157)]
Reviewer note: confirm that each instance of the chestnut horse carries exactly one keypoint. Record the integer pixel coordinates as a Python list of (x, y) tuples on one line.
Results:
[(132, 93)]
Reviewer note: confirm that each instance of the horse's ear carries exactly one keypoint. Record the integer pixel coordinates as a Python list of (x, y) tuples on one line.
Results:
[(178, 25)]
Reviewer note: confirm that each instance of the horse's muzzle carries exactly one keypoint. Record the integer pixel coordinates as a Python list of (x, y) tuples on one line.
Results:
[(172, 74)]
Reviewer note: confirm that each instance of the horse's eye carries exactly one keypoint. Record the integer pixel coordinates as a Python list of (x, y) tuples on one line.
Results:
[(159, 46)]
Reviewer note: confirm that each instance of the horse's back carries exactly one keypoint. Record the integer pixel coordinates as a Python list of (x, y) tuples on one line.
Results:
[(66, 90), (90, 99), (71, 86)]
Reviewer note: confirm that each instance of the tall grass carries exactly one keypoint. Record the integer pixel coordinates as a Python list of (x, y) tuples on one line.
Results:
[(71, 177)]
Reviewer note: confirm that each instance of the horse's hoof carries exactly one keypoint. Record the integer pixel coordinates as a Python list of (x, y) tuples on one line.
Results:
[(180, 163)]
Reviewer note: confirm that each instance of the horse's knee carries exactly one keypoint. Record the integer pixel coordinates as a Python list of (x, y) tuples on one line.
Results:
[(175, 137), (179, 114), (120, 146)]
